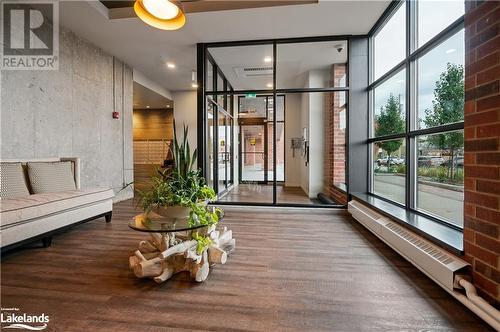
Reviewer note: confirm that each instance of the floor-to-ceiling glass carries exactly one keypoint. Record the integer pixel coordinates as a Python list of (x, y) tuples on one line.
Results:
[(289, 105)]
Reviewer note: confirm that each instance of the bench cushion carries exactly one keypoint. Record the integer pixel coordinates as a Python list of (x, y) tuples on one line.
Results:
[(51, 177), (14, 211), (12, 181)]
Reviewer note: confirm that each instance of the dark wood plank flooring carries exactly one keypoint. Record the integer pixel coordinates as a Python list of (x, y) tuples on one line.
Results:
[(293, 270)]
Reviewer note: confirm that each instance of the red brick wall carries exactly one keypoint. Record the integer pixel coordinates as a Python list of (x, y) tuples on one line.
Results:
[(335, 152), (482, 146)]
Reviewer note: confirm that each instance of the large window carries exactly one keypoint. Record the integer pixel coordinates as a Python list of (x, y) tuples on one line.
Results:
[(417, 108)]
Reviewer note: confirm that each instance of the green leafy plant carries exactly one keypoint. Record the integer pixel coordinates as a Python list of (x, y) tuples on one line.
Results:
[(203, 242), (440, 174), (183, 159), (201, 215), (390, 121), (447, 107), (183, 186)]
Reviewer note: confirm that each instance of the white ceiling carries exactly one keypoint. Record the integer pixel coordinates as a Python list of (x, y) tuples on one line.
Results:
[(148, 49), (147, 98)]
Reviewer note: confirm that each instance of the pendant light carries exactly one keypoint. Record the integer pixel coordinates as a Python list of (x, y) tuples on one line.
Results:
[(161, 14)]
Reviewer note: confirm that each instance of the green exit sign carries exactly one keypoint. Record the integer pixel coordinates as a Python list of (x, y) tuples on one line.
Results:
[(250, 95)]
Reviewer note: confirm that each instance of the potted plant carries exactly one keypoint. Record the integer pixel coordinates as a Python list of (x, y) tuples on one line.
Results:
[(179, 192)]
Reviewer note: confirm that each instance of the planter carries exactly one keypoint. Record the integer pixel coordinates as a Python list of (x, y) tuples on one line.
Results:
[(174, 212)]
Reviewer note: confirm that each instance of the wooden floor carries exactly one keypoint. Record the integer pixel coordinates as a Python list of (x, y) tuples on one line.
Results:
[(262, 193), (293, 270)]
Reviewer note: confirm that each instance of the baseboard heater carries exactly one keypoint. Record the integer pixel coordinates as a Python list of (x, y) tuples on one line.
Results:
[(445, 269)]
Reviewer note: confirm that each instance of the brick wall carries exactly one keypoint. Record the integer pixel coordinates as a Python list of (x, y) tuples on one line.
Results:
[(482, 146), (335, 151)]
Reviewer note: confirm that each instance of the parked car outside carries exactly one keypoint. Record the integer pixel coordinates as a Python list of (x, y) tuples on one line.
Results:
[(430, 161), (392, 160), (458, 162)]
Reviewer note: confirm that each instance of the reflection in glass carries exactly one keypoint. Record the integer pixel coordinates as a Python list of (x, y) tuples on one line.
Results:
[(389, 169), (311, 65), (390, 43), (389, 106), (440, 89), (435, 16), (209, 79), (222, 153), (210, 144), (280, 108), (252, 107), (440, 175)]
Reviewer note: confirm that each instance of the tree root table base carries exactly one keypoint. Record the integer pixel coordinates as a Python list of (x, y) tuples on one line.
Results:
[(166, 254)]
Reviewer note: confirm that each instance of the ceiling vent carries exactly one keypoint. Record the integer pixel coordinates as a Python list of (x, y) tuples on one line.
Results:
[(254, 71)]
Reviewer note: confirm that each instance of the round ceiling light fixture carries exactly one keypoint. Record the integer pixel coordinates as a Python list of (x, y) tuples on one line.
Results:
[(161, 14)]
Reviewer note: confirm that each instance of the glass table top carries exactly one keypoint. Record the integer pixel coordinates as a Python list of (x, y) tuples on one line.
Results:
[(155, 223)]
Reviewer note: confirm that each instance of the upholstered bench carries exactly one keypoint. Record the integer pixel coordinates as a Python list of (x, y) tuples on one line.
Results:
[(41, 197)]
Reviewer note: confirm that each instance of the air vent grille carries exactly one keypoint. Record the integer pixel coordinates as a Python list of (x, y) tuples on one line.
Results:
[(424, 246), (257, 69)]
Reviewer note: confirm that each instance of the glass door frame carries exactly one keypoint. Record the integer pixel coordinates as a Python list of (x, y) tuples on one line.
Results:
[(229, 168), (265, 153), (203, 55), (267, 149)]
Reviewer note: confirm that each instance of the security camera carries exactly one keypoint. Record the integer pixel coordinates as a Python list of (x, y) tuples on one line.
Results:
[(339, 47)]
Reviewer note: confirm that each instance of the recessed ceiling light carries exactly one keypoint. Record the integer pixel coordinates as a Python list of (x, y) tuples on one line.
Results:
[(161, 14), (451, 50), (268, 59), (194, 85), (164, 10), (170, 65), (168, 106), (147, 106), (269, 85)]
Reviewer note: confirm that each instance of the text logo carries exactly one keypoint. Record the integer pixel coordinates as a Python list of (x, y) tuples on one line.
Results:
[(30, 35), (11, 318)]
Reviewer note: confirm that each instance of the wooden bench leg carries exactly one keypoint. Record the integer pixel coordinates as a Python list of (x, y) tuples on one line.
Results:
[(47, 241), (108, 216)]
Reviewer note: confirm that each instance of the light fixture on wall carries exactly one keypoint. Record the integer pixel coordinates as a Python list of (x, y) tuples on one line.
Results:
[(161, 14), (194, 84)]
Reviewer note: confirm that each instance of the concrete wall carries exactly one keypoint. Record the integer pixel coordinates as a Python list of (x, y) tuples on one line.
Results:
[(68, 112)]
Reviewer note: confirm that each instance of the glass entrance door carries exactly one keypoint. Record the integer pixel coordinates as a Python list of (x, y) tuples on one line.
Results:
[(253, 156), (219, 152)]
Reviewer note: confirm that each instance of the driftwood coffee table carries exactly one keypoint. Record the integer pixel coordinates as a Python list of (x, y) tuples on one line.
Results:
[(171, 248)]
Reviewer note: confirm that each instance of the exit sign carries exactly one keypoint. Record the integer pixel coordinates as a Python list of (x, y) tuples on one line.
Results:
[(251, 95)]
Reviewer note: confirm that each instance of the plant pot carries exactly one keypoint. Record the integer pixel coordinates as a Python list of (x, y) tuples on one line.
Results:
[(174, 212)]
